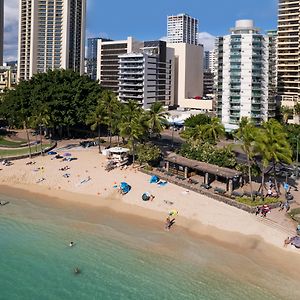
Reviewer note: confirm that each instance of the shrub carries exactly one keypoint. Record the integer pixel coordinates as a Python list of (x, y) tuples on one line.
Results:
[(148, 153), (258, 201)]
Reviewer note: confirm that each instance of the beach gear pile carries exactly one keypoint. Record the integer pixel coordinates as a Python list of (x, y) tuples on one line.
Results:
[(295, 241), (125, 187)]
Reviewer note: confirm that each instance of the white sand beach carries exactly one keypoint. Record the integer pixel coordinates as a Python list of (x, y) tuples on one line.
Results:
[(88, 183)]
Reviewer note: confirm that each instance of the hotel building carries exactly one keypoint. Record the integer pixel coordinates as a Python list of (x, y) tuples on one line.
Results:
[(288, 52), (242, 76), (51, 36), (108, 60), (146, 76), (182, 29), (1, 30)]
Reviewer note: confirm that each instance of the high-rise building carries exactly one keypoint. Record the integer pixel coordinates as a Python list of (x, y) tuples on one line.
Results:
[(273, 69), (182, 29), (91, 59), (188, 78), (108, 60), (288, 51), (208, 63), (242, 76), (146, 77), (1, 30), (51, 36)]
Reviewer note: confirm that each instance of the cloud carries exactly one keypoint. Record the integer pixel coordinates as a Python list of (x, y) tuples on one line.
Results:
[(11, 16), (207, 40)]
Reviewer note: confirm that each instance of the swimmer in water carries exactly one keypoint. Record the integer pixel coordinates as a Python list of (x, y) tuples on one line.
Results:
[(71, 244)]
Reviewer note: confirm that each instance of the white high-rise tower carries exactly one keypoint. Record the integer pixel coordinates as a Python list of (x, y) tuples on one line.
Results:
[(243, 76), (51, 36), (182, 29)]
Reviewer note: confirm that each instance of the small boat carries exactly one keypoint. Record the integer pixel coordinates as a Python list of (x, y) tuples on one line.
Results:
[(2, 203)]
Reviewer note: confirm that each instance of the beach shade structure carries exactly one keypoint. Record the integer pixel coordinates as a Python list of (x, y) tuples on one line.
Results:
[(125, 187), (154, 179), (146, 196), (52, 153), (295, 241), (67, 154)]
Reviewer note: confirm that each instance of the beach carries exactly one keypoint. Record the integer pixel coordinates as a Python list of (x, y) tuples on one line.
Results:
[(89, 184)]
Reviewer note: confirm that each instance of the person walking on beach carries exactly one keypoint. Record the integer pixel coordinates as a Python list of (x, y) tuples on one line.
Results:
[(257, 210), (286, 242)]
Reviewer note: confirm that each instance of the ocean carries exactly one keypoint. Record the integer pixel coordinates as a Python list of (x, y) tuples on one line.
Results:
[(120, 258)]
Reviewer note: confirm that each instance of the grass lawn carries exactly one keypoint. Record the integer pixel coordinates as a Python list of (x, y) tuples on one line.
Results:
[(24, 151), (11, 144), (295, 214), (258, 201)]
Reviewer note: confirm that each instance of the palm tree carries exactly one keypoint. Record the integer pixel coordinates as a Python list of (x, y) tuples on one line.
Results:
[(131, 125), (193, 134), (272, 144), (214, 130), (41, 117), (286, 113), (297, 111), (246, 134), (157, 118), (110, 103), (96, 119)]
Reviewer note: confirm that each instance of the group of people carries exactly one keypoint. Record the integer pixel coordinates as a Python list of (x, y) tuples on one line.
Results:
[(284, 205), (263, 210)]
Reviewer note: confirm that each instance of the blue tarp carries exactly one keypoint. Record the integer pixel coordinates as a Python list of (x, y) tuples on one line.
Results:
[(52, 153), (125, 187), (154, 179)]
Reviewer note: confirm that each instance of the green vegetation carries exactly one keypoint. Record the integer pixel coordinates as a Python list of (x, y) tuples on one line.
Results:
[(257, 201), (62, 99), (24, 151), (148, 153), (200, 119), (295, 214), (222, 157), (10, 144)]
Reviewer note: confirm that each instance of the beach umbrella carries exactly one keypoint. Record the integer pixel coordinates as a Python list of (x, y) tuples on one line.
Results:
[(154, 179), (146, 196)]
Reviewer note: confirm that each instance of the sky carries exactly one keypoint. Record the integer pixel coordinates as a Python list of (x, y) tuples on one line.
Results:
[(146, 20)]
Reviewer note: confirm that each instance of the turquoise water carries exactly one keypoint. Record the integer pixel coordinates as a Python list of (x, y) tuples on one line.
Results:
[(120, 260)]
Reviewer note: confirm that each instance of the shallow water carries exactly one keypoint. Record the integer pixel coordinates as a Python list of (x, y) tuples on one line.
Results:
[(120, 260)]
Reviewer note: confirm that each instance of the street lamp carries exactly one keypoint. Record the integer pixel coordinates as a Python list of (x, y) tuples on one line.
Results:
[(173, 128)]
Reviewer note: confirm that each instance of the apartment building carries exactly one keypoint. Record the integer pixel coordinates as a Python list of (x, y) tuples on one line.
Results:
[(51, 36), (188, 76), (274, 100), (8, 78), (1, 30), (242, 75), (108, 60), (288, 52), (182, 28), (91, 59), (146, 77)]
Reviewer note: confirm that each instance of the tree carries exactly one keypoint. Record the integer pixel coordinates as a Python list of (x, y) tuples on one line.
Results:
[(110, 103), (297, 111), (200, 119), (271, 143), (247, 134), (131, 125), (213, 131), (286, 112), (96, 119), (157, 118), (69, 98), (147, 153)]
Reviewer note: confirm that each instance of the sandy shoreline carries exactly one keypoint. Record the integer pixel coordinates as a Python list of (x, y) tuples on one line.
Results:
[(198, 214)]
